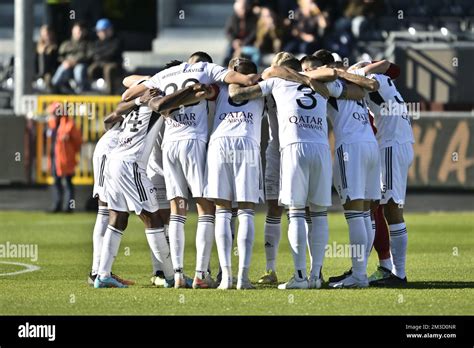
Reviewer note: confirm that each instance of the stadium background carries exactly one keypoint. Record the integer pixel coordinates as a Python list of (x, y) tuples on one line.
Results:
[(431, 40)]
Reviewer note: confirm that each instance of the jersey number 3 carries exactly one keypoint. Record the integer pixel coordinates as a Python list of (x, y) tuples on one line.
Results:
[(309, 94)]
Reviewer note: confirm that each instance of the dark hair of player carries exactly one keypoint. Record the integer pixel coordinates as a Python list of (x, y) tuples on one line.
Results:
[(292, 63), (324, 56), (337, 65), (312, 61), (174, 62), (243, 66), (200, 56)]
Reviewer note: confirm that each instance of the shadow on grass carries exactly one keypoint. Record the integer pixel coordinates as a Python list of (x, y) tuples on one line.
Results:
[(440, 285)]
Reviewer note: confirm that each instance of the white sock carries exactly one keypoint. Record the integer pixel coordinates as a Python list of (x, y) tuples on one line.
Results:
[(204, 241), (223, 238), (100, 227), (370, 231), (245, 238), (110, 247), (176, 237), (157, 241), (387, 263), (154, 261), (318, 239), (297, 238), (398, 248), (358, 240), (272, 235)]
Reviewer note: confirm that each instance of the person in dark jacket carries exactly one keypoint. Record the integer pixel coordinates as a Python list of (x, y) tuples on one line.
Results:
[(240, 29), (46, 55), (74, 54), (106, 55)]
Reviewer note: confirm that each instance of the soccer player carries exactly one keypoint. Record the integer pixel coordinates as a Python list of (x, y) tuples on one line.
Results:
[(99, 162), (128, 188), (184, 151), (272, 227), (356, 172), (105, 144), (233, 174), (395, 138), (306, 163)]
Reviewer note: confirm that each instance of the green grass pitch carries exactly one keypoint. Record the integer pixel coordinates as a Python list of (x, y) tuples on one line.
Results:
[(440, 269)]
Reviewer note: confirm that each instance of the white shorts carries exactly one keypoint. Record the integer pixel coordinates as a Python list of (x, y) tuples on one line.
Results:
[(99, 164), (395, 161), (233, 171), (184, 163), (158, 181), (306, 175), (272, 173), (357, 171), (128, 187)]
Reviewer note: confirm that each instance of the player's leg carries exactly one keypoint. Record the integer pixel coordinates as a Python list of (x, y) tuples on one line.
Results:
[(102, 219), (204, 242), (223, 237), (178, 207), (245, 239), (155, 235), (174, 158), (354, 214), (369, 230), (272, 226), (100, 226), (398, 240), (381, 243), (294, 194), (319, 196), (318, 235), (397, 160), (272, 236), (118, 221), (158, 277)]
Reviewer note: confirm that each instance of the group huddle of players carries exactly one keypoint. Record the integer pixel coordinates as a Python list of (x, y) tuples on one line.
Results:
[(159, 151)]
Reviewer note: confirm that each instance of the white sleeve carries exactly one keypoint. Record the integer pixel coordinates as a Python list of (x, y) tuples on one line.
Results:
[(154, 82), (267, 86), (215, 73), (335, 88), (359, 72)]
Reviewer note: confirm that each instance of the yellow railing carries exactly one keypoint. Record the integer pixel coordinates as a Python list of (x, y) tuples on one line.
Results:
[(88, 113)]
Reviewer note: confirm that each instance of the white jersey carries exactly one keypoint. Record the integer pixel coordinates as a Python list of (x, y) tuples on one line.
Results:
[(155, 161), (107, 141), (191, 121), (350, 120), (272, 117), (390, 113), (242, 119), (301, 111), (138, 136)]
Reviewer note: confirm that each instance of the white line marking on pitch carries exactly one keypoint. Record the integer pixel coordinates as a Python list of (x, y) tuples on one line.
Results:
[(28, 268)]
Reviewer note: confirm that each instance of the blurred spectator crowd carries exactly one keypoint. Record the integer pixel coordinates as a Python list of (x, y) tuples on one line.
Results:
[(259, 28), (74, 65)]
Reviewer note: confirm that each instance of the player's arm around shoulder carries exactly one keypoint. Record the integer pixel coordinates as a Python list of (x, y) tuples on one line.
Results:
[(239, 93), (366, 83), (183, 97)]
